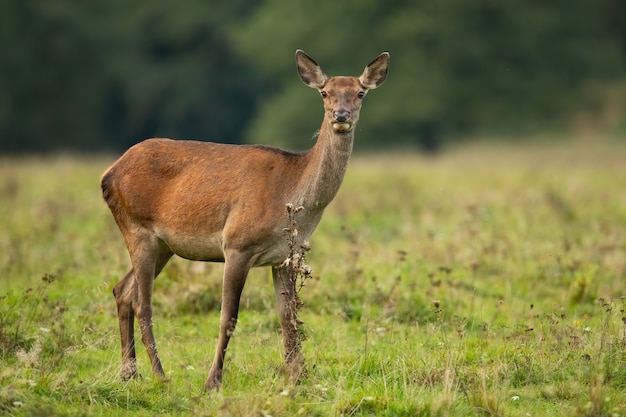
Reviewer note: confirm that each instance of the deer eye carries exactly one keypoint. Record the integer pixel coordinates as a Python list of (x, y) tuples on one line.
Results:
[(361, 94), (324, 94)]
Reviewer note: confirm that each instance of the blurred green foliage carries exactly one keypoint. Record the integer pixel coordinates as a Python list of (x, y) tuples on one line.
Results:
[(108, 73), (105, 74)]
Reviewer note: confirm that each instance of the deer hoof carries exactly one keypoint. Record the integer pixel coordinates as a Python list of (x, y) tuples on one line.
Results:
[(213, 382), (129, 374)]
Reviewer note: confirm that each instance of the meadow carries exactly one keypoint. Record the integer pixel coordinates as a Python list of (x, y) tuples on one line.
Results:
[(489, 280)]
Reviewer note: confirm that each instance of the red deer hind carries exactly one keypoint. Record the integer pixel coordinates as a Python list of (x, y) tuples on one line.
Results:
[(226, 203)]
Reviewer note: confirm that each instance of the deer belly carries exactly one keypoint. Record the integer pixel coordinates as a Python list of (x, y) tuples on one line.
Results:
[(195, 247)]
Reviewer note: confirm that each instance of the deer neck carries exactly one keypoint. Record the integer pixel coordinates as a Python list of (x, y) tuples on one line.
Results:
[(326, 166)]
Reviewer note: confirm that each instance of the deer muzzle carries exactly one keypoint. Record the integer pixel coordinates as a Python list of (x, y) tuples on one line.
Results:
[(341, 122)]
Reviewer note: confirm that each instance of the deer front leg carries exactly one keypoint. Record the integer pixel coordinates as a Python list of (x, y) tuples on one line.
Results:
[(287, 301), (236, 269)]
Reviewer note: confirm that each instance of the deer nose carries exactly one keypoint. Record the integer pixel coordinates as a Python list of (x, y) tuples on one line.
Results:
[(341, 115)]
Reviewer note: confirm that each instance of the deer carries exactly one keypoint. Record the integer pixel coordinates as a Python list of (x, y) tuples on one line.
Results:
[(214, 202)]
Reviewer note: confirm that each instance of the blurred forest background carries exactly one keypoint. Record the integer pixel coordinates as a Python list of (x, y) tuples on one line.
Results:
[(101, 75)]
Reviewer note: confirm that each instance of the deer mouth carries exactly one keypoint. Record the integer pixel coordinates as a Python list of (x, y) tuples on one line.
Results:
[(342, 127)]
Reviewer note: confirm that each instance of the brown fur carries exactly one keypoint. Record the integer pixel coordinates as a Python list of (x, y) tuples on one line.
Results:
[(226, 203)]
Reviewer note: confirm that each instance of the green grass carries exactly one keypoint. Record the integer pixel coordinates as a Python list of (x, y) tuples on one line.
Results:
[(488, 281)]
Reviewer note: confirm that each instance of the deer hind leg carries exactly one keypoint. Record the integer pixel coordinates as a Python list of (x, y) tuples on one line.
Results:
[(286, 299), (236, 269), (131, 302), (125, 294)]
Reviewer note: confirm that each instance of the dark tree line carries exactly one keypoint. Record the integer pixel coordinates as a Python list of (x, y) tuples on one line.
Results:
[(104, 74)]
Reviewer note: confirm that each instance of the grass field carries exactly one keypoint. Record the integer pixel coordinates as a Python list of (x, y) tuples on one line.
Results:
[(487, 281)]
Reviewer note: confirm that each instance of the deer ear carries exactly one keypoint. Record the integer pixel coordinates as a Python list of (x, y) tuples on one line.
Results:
[(375, 72), (309, 71)]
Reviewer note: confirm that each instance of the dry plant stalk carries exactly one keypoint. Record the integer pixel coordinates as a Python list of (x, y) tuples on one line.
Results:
[(298, 272)]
